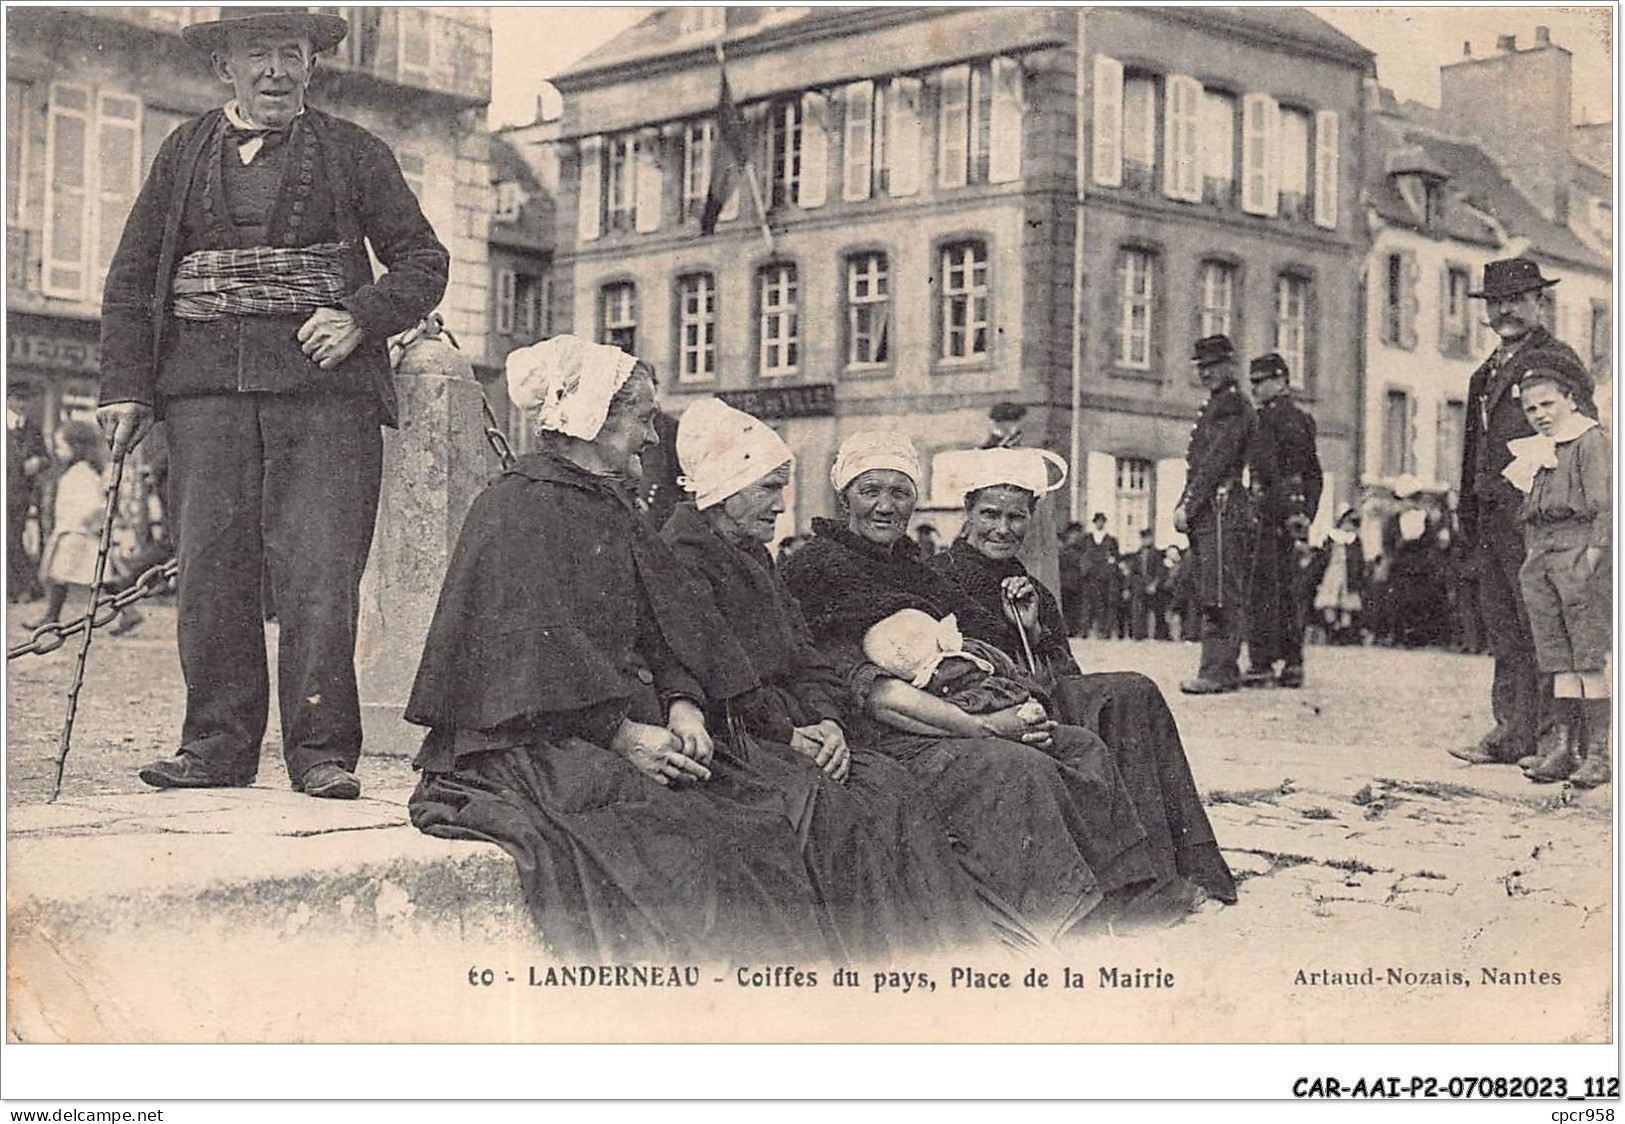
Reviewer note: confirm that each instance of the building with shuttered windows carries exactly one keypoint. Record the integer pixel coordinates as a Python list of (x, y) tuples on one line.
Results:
[(91, 93), (1439, 207), (922, 173)]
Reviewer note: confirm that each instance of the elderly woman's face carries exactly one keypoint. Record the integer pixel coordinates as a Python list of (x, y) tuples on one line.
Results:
[(752, 513), (879, 504), (629, 429), (996, 521)]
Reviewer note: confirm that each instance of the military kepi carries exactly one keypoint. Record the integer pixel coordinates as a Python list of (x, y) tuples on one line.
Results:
[(1213, 349), (1267, 367), (325, 31), (1511, 276)]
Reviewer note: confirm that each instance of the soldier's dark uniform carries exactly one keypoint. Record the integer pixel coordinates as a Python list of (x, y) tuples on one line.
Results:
[(1284, 473), (1489, 517), (1219, 521)]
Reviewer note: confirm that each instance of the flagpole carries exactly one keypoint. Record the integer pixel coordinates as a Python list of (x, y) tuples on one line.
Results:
[(750, 174)]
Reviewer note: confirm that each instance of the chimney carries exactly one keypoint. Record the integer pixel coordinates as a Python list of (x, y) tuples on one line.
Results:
[(1467, 49), (1543, 36), (1517, 105)]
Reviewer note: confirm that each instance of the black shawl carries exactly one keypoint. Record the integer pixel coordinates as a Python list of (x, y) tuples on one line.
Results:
[(982, 579)]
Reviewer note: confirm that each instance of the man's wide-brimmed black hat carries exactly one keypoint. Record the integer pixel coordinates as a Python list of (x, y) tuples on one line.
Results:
[(1511, 276), (1213, 349), (1266, 367), (324, 31)]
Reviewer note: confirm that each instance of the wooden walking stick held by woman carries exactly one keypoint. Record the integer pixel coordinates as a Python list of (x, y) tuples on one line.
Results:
[(102, 548)]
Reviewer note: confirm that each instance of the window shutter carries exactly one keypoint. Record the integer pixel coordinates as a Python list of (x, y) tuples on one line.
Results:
[(1181, 140), (1326, 168), (1258, 192), (1409, 300), (904, 175), (1168, 487), (1108, 139), (953, 126), (648, 182), (857, 160), (589, 203), (506, 284), (1100, 486), (67, 194), (810, 192), (1444, 309), (1004, 130), (118, 149)]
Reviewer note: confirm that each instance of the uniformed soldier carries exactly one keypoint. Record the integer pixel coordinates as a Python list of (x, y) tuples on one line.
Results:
[(1216, 512), (1489, 505), (1284, 473)]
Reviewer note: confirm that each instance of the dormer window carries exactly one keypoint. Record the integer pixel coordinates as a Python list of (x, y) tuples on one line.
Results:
[(1432, 203), (510, 197)]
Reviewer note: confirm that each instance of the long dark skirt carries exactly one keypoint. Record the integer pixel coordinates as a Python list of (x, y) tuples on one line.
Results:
[(768, 858), (1132, 718), (1051, 839)]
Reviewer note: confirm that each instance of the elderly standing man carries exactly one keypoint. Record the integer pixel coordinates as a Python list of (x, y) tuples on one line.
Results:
[(1215, 511), (1491, 533), (241, 308)]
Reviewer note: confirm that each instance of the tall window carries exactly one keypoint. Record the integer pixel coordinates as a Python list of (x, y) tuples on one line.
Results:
[(1454, 312), (697, 141), (1218, 146), (1292, 325), (94, 152), (1218, 298), (618, 316), (1136, 288), (1133, 500), (1139, 131), (620, 182), (1398, 450), (414, 51), (964, 317), (1296, 157), (784, 151), (1393, 299), (965, 124), (522, 304), (779, 328), (1452, 428), (868, 311), (696, 327)]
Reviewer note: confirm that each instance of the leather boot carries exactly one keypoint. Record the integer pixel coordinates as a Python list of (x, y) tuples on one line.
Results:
[(1558, 760), (1597, 768)]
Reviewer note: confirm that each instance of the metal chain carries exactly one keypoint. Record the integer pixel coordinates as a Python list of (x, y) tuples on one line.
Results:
[(52, 635), (494, 434)]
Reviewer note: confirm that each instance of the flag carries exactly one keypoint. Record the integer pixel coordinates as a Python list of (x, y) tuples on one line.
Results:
[(729, 155)]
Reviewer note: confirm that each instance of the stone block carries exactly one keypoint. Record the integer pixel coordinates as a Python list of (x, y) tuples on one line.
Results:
[(434, 466)]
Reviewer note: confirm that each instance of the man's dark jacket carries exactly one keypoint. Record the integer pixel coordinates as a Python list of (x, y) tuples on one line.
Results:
[(1285, 468), (1494, 417), (340, 183), (1218, 448)]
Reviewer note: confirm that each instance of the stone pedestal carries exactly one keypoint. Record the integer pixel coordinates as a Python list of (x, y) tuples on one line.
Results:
[(434, 466)]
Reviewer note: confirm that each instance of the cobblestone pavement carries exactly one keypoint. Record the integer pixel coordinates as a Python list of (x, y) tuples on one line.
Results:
[(1388, 891)]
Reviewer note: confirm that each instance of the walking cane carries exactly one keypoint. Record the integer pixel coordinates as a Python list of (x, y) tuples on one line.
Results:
[(90, 624), (1027, 648)]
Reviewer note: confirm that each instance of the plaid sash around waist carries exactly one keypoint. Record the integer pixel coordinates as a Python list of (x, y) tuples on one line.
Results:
[(258, 281)]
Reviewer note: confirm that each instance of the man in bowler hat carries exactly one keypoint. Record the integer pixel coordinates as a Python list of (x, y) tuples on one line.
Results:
[(1488, 511), (241, 307), (1215, 511), (1286, 481)]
